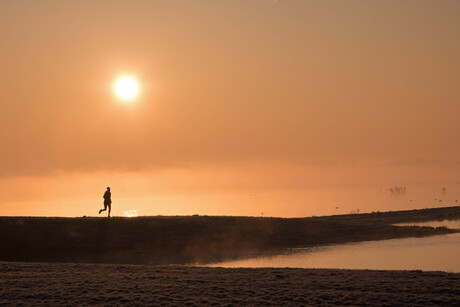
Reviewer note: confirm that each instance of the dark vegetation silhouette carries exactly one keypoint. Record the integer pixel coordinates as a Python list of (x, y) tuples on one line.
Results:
[(107, 201), (198, 239)]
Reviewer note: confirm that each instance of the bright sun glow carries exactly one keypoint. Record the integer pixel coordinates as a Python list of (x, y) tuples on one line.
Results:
[(130, 213), (126, 87)]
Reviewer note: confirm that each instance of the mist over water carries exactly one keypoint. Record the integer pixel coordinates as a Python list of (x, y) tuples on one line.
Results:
[(186, 193), (282, 113), (435, 253)]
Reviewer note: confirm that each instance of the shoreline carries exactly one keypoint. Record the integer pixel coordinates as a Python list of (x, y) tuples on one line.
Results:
[(198, 239)]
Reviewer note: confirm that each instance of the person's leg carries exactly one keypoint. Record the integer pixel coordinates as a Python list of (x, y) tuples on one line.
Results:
[(105, 208), (110, 208)]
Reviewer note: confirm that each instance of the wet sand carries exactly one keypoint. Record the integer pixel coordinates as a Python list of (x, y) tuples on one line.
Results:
[(113, 284)]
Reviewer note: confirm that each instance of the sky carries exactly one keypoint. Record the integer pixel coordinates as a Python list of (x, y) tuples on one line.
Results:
[(282, 108)]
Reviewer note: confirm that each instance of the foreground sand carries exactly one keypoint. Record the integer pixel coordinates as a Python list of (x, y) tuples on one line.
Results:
[(112, 284)]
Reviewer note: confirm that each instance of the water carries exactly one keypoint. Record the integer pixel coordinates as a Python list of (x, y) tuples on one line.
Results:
[(435, 253)]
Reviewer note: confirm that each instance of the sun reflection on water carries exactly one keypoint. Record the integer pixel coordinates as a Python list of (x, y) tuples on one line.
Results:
[(130, 213)]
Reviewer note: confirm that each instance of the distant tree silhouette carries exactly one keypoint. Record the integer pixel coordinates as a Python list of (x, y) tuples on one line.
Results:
[(397, 190)]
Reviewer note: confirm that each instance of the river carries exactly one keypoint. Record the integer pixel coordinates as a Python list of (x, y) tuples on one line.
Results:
[(435, 253)]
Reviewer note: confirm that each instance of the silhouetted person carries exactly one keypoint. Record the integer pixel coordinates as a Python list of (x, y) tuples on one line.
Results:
[(107, 201)]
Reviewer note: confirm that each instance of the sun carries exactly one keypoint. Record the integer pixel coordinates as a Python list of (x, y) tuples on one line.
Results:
[(126, 88)]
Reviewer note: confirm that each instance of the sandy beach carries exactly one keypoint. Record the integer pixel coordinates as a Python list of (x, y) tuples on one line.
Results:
[(112, 285)]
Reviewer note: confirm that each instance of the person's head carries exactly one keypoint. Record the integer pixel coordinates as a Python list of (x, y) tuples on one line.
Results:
[(108, 188)]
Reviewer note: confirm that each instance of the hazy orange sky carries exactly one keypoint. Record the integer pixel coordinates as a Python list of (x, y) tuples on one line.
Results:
[(244, 106)]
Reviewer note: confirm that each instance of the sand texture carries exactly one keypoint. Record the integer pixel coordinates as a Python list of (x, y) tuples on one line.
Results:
[(112, 284)]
